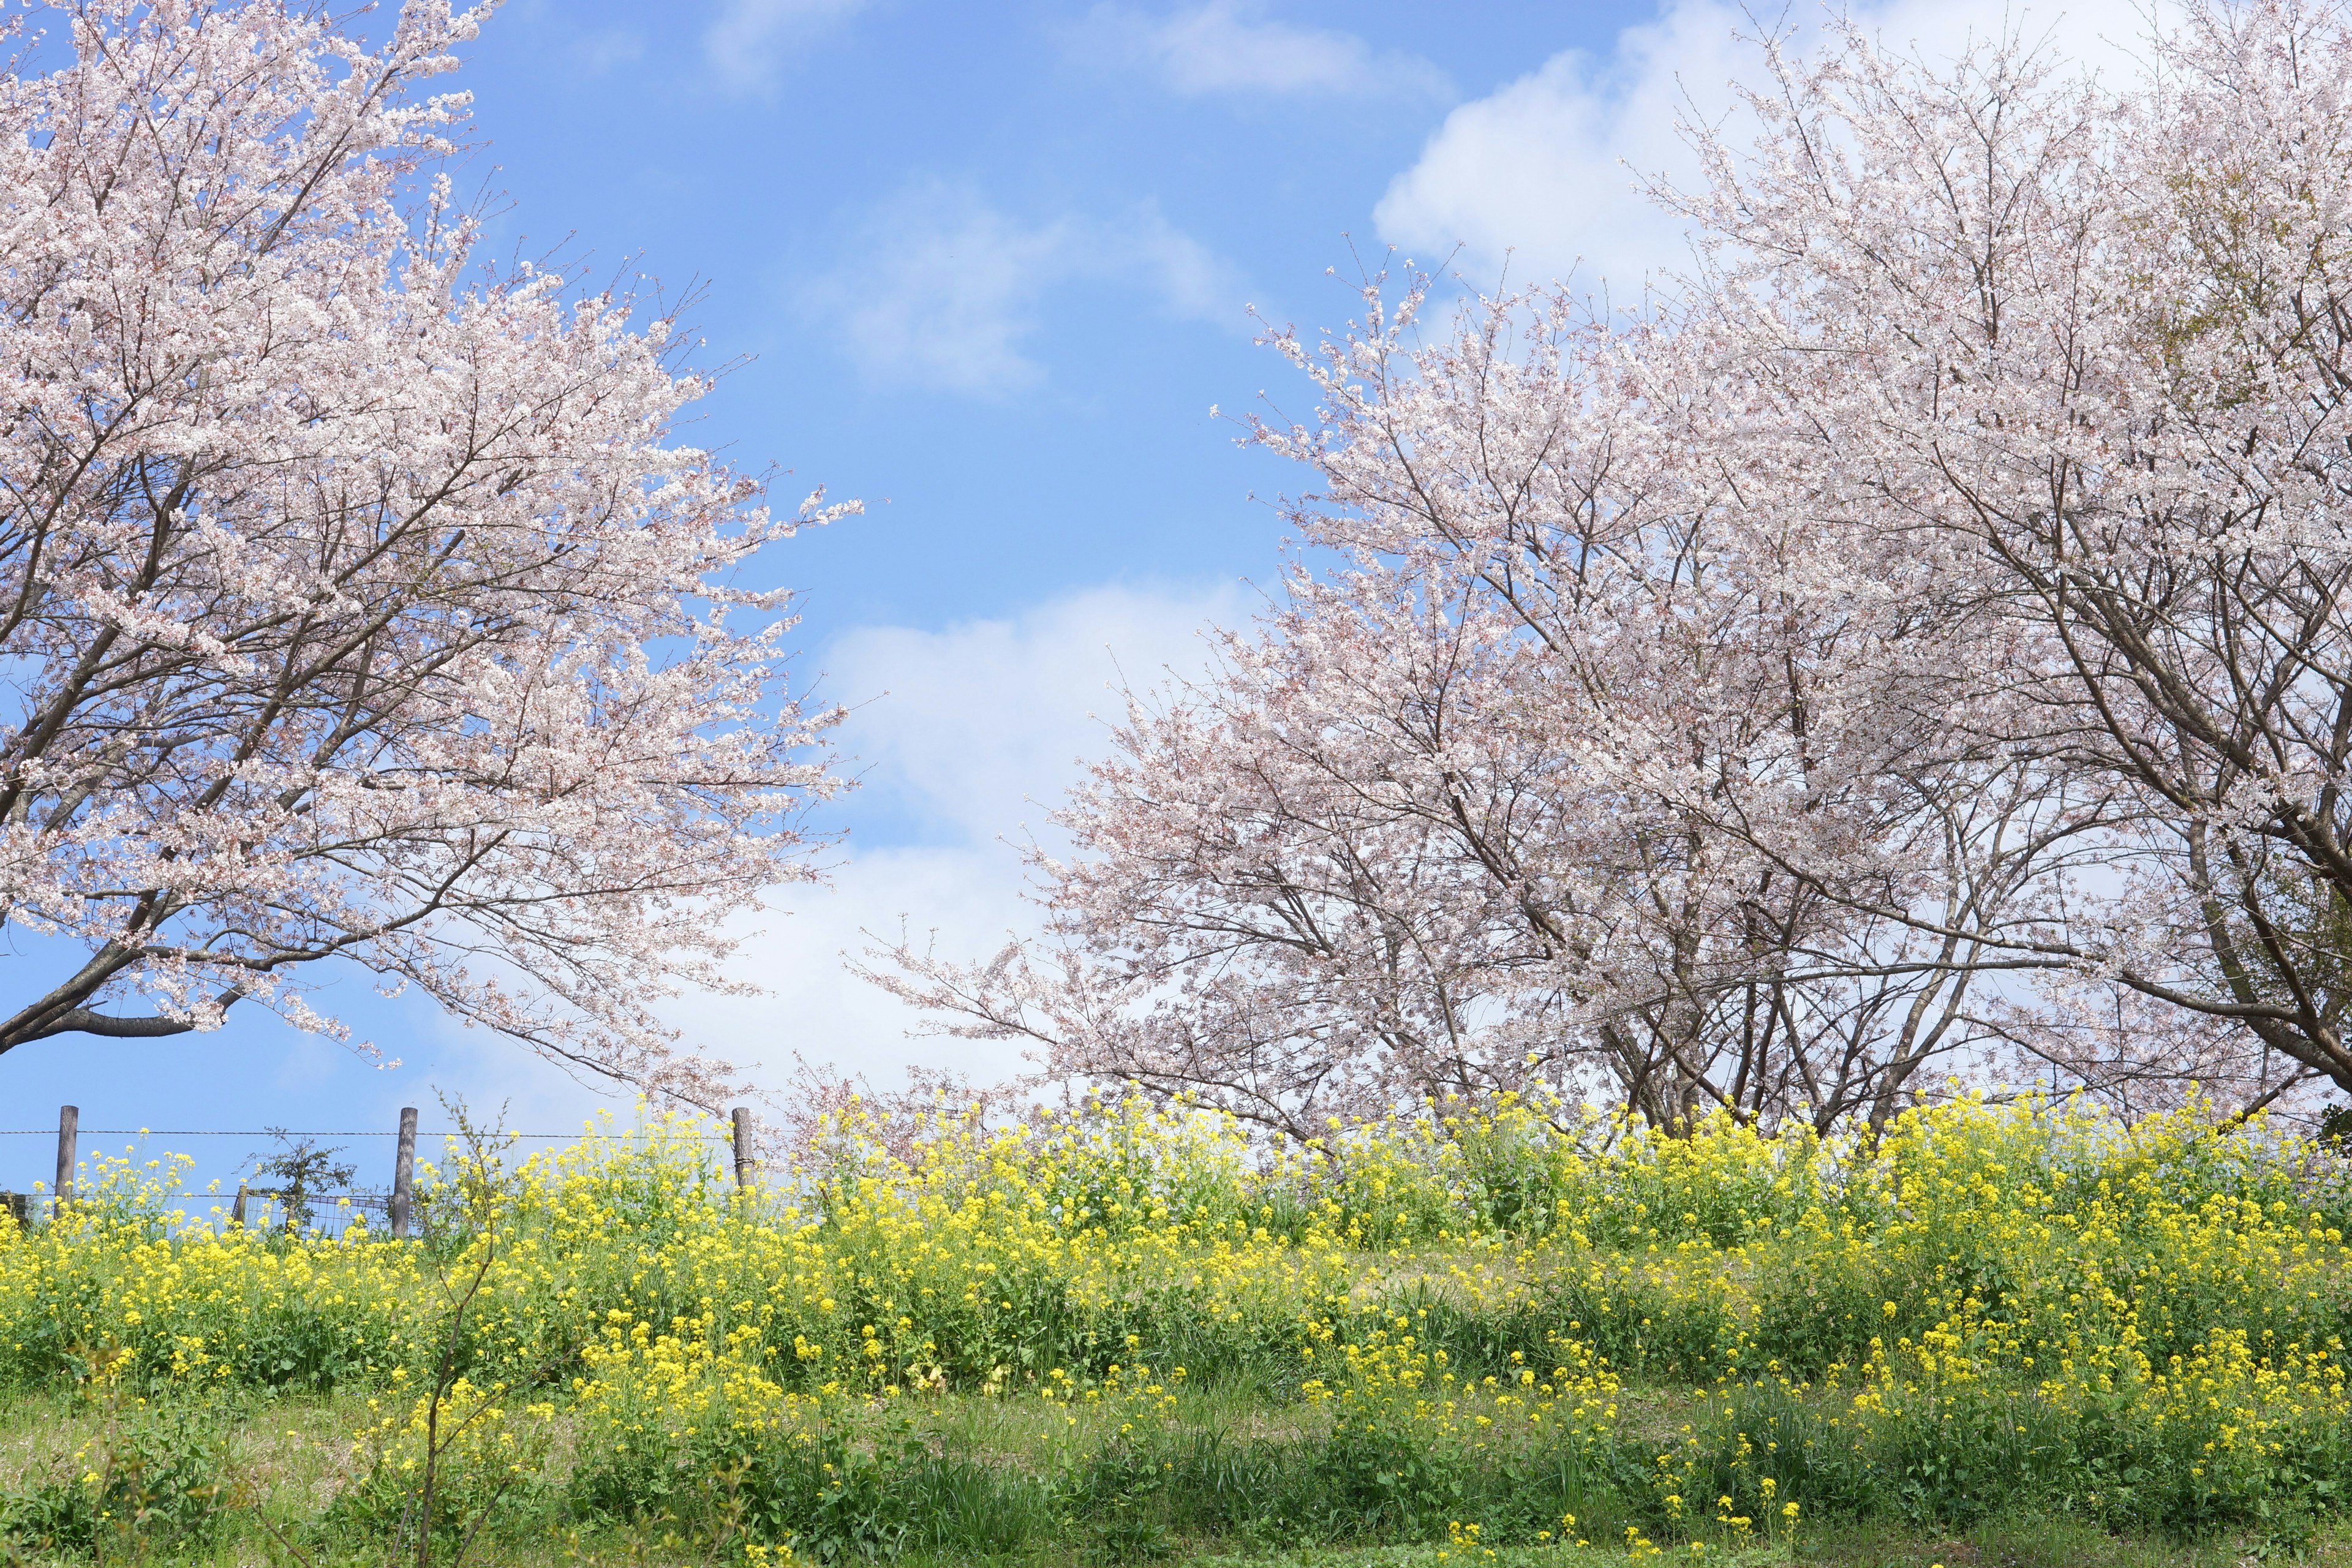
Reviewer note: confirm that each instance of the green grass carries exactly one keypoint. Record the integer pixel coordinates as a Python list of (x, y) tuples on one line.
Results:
[(1000, 1482)]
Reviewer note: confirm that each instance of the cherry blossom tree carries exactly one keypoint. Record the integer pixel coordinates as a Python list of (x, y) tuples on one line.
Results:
[(1913, 641), (1465, 814), (357, 600), (2089, 349)]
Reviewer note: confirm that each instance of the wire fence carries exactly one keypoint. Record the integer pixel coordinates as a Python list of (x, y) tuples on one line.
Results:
[(294, 1133), (293, 1203)]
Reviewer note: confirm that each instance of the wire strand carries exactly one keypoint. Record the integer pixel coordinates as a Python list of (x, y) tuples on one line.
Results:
[(289, 1132)]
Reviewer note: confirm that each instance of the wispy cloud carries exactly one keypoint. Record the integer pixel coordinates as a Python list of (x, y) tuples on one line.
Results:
[(939, 288), (1233, 46), (751, 41), (974, 733), (601, 49)]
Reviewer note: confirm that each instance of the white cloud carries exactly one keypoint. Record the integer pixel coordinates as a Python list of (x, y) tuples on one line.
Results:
[(595, 51), (750, 39), (812, 1007), (940, 288), (1229, 45), (1544, 169), (966, 727), (971, 733)]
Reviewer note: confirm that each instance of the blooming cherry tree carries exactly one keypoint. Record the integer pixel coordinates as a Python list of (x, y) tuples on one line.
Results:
[(1468, 813), (2088, 350), (356, 601), (1916, 640)]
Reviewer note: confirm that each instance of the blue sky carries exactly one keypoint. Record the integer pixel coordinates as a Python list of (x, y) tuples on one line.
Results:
[(993, 266)]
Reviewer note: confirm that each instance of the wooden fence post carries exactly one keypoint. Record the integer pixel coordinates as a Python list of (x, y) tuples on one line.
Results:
[(742, 1119), (69, 1138), (403, 1171), (236, 1213)]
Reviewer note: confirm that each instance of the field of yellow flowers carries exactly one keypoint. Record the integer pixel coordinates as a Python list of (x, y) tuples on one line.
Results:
[(1122, 1332)]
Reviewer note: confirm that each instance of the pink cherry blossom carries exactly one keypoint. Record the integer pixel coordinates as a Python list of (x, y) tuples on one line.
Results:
[(1914, 644), (358, 600)]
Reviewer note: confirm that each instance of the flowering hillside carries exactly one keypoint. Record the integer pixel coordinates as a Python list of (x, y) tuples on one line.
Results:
[(1120, 1331)]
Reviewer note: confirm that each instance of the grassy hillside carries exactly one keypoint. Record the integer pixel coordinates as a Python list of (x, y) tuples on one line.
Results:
[(2018, 1334)]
